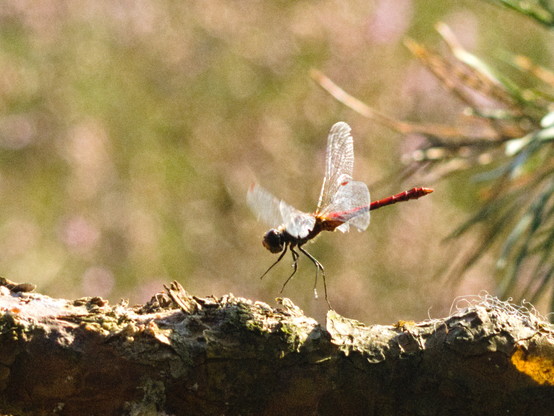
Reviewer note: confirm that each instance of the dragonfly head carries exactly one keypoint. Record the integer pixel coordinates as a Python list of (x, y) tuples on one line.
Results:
[(274, 241)]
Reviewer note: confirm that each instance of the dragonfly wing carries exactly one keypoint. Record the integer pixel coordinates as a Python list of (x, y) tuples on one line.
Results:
[(339, 163), (297, 223), (275, 212), (264, 205), (344, 228), (350, 205)]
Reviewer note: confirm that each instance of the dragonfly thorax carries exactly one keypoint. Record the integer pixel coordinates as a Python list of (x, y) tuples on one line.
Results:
[(277, 239)]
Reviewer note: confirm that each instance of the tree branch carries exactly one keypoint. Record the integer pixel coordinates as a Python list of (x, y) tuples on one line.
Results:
[(181, 355)]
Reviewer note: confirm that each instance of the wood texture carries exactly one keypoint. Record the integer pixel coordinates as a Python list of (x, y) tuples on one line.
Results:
[(183, 355)]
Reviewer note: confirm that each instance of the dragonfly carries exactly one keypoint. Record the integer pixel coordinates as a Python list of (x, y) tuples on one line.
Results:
[(343, 203)]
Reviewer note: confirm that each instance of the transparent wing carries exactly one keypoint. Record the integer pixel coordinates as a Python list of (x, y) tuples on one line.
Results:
[(297, 223), (264, 205), (339, 164), (350, 205), (275, 212)]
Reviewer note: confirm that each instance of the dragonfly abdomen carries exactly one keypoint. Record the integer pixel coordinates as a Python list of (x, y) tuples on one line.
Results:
[(413, 193)]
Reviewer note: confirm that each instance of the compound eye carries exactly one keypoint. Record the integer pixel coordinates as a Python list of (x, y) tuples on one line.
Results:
[(273, 241)]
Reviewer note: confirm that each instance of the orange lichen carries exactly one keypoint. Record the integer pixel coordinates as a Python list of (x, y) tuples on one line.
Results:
[(538, 367), (404, 325)]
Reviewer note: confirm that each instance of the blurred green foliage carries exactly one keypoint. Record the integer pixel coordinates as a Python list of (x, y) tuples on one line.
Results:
[(540, 10), (130, 132)]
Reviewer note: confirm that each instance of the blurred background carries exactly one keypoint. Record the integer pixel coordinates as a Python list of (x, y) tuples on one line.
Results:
[(130, 132)]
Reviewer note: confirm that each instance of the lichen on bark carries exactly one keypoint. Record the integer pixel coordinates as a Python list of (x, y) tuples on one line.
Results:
[(232, 356)]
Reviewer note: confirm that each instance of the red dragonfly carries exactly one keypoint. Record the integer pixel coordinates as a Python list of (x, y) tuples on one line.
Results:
[(342, 203)]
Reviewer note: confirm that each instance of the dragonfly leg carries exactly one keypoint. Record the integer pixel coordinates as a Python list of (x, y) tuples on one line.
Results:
[(295, 256), (278, 260), (318, 266)]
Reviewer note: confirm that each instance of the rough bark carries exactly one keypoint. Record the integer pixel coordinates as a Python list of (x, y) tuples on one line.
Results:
[(184, 355)]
